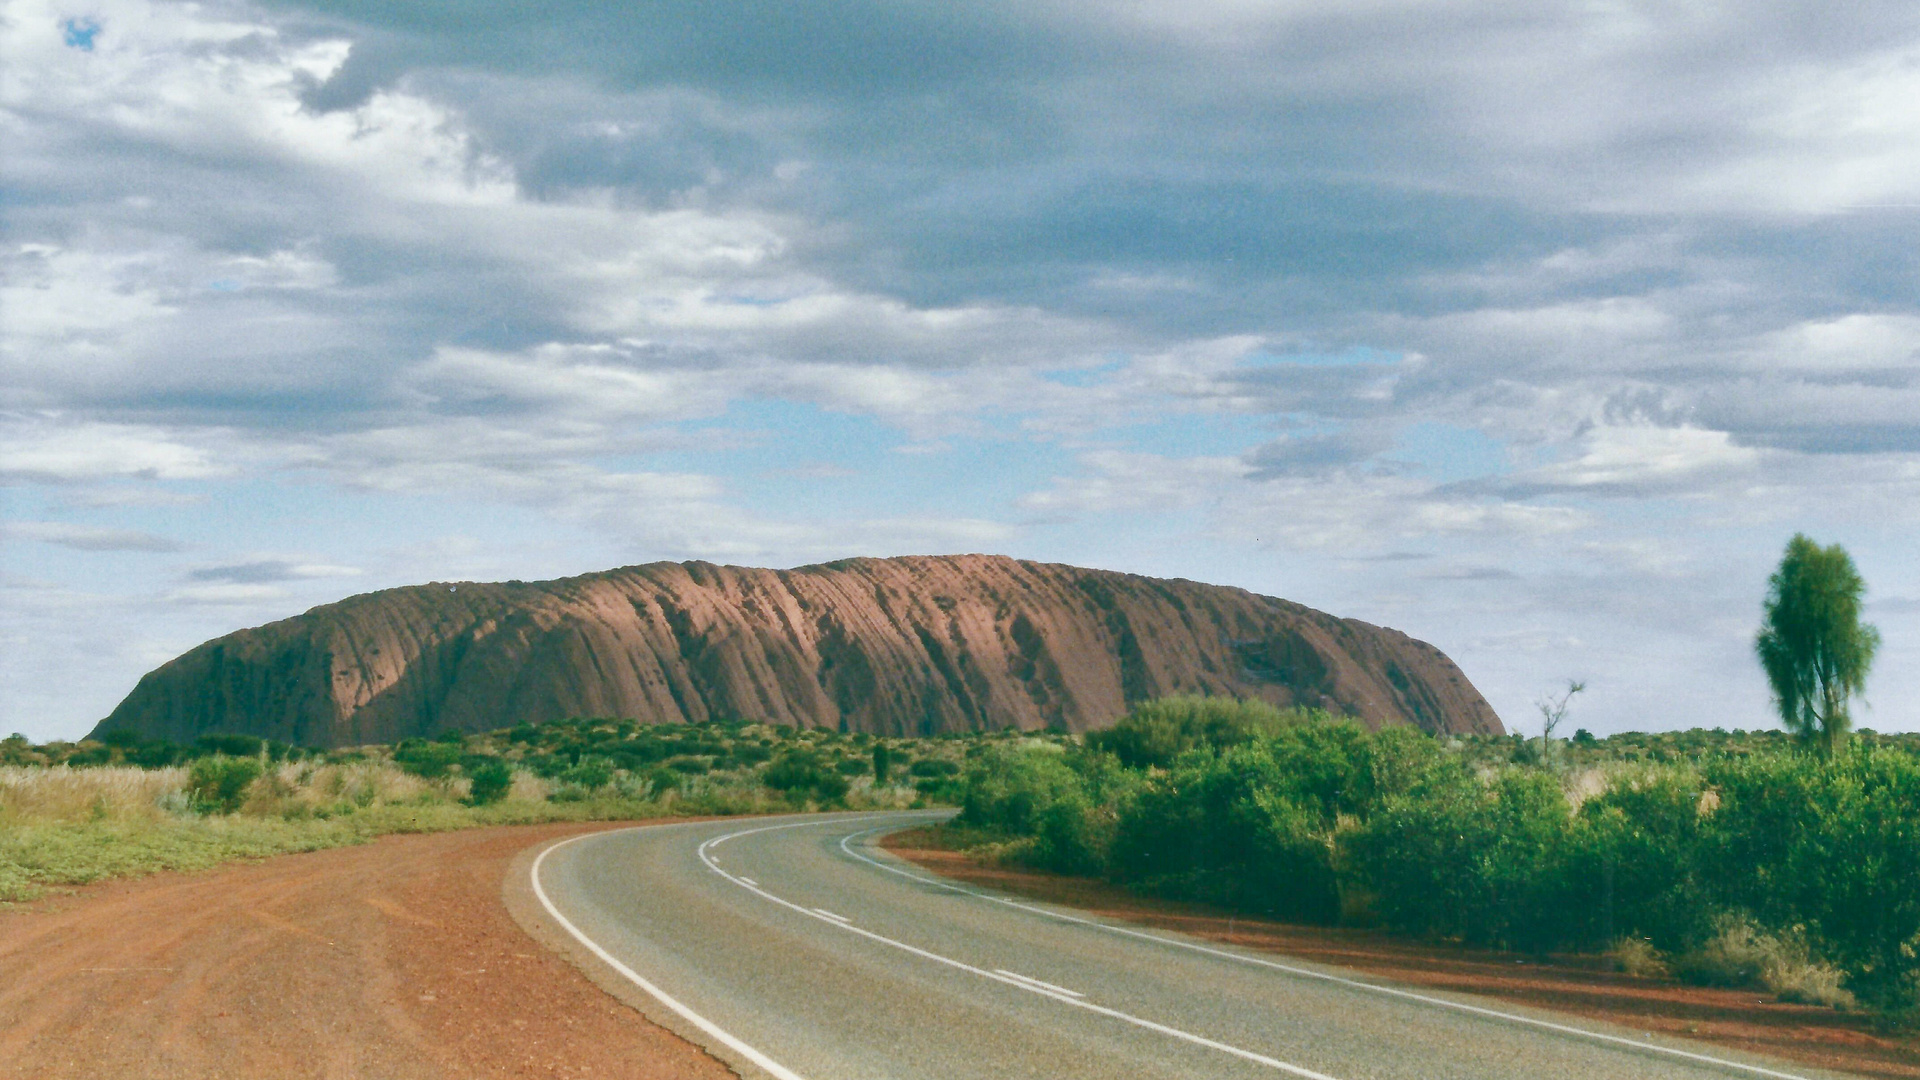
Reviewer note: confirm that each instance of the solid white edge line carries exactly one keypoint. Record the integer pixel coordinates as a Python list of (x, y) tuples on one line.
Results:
[(1311, 974), (779, 1071), (830, 915), (1128, 1018), (1038, 982)]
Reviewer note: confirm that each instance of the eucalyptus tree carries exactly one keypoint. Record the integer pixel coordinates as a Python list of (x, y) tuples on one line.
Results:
[(1814, 647)]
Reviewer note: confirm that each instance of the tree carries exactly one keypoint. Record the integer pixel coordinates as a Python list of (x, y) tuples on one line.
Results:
[(1552, 711), (1814, 648)]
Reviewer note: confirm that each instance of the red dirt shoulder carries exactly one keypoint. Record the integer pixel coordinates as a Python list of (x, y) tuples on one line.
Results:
[(392, 959)]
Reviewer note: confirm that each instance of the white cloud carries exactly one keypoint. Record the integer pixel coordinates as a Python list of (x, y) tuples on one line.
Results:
[(1857, 342), (227, 594), (86, 537), (1643, 456), (39, 448)]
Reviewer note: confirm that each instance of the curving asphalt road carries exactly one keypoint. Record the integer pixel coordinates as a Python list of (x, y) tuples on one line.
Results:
[(793, 948)]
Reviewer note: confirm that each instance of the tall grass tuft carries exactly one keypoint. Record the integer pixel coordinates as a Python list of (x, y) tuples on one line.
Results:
[(39, 795)]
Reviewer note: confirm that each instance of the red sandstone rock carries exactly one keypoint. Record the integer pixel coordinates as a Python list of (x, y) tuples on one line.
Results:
[(913, 645)]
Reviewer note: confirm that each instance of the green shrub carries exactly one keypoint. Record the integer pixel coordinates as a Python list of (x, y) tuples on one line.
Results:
[(427, 760), (1226, 829), (219, 784), (1834, 848), (490, 782), (800, 773), (230, 745), (592, 774), (1156, 732)]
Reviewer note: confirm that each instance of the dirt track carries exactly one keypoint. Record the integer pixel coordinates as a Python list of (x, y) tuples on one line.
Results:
[(396, 959)]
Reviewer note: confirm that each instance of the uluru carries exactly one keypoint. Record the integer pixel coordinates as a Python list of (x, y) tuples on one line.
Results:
[(913, 645)]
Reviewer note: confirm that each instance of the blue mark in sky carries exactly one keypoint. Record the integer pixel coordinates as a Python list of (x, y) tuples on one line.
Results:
[(1449, 452), (1357, 355), (79, 33), (1083, 377), (1198, 434)]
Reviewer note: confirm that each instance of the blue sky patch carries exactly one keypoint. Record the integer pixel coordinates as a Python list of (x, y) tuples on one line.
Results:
[(79, 33)]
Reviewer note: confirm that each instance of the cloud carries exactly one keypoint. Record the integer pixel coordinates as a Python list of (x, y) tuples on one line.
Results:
[(60, 451), (1642, 458), (86, 537), (1210, 269), (266, 571), (227, 594)]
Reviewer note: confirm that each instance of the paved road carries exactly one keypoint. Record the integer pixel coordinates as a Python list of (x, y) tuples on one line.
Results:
[(793, 948)]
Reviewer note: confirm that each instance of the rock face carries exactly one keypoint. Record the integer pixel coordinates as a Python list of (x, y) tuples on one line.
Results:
[(899, 646)]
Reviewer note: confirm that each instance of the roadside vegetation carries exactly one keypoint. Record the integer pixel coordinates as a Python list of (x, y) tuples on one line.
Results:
[(72, 813), (1724, 858)]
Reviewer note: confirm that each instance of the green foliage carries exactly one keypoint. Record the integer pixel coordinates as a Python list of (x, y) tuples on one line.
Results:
[(428, 760), (1814, 648), (591, 774), (491, 781), (1231, 829), (1156, 732), (802, 773), (230, 745), (219, 784), (882, 762), (1665, 840), (1836, 849)]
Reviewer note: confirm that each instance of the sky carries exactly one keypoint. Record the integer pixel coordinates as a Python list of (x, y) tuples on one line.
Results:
[(1531, 329)]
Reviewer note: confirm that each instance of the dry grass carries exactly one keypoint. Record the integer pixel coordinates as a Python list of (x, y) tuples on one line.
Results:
[(62, 826), (1637, 956), (1741, 954), (41, 795)]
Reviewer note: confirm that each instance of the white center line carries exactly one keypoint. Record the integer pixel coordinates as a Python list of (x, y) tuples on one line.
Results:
[(828, 914), (1037, 982)]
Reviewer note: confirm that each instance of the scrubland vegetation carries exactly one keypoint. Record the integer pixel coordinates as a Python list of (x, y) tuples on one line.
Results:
[(1715, 857), (75, 813), (1721, 858)]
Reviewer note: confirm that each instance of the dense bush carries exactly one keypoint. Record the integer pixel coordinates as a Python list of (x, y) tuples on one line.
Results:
[(1156, 732), (1322, 821), (490, 782), (428, 760), (219, 784), (801, 773), (1835, 848)]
